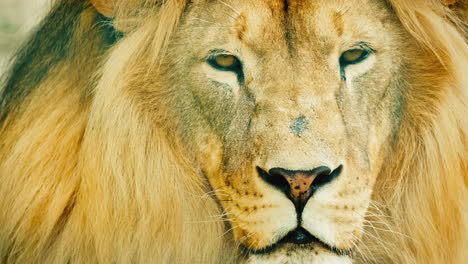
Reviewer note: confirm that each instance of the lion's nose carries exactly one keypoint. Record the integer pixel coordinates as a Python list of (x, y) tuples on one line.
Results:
[(299, 185)]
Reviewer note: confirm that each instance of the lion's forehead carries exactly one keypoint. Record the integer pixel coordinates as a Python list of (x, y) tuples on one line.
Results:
[(282, 25)]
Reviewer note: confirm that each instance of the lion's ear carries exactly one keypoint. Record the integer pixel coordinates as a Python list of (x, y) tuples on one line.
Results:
[(105, 7)]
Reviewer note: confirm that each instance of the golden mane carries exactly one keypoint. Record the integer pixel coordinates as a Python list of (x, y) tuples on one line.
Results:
[(422, 191), (86, 178)]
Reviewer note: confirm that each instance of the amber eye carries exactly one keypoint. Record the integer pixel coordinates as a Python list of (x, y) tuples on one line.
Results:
[(353, 56), (225, 62)]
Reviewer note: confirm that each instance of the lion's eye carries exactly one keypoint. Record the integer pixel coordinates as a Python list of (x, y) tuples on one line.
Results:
[(353, 56), (225, 62)]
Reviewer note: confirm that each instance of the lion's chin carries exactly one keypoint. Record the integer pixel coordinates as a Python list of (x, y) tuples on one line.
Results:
[(312, 253), (299, 246)]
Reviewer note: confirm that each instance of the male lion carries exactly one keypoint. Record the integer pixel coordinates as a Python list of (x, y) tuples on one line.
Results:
[(225, 131)]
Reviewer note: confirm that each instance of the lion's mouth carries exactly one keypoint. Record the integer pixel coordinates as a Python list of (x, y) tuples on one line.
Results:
[(300, 237)]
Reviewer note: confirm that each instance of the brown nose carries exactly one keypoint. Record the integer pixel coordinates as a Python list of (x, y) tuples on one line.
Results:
[(299, 185)]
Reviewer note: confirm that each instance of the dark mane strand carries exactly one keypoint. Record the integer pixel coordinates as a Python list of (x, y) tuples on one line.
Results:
[(53, 43)]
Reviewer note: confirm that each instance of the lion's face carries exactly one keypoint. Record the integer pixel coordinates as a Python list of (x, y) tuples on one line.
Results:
[(286, 105)]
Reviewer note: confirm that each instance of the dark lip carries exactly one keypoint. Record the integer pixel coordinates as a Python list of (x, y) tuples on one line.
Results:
[(287, 239)]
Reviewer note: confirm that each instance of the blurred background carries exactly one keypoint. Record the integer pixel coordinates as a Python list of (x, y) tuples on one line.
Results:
[(17, 18)]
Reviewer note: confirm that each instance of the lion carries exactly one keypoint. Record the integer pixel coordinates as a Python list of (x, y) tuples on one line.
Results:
[(269, 131)]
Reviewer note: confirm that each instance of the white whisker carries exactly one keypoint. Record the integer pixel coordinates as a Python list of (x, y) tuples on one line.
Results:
[(214, 27), (232, 228), (228, 5), (207, 21)]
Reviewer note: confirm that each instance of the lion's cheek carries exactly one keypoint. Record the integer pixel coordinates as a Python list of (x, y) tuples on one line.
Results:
[(210, 158)]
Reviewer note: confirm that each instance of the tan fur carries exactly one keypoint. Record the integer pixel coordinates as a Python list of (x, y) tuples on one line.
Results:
[(105, 161)]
